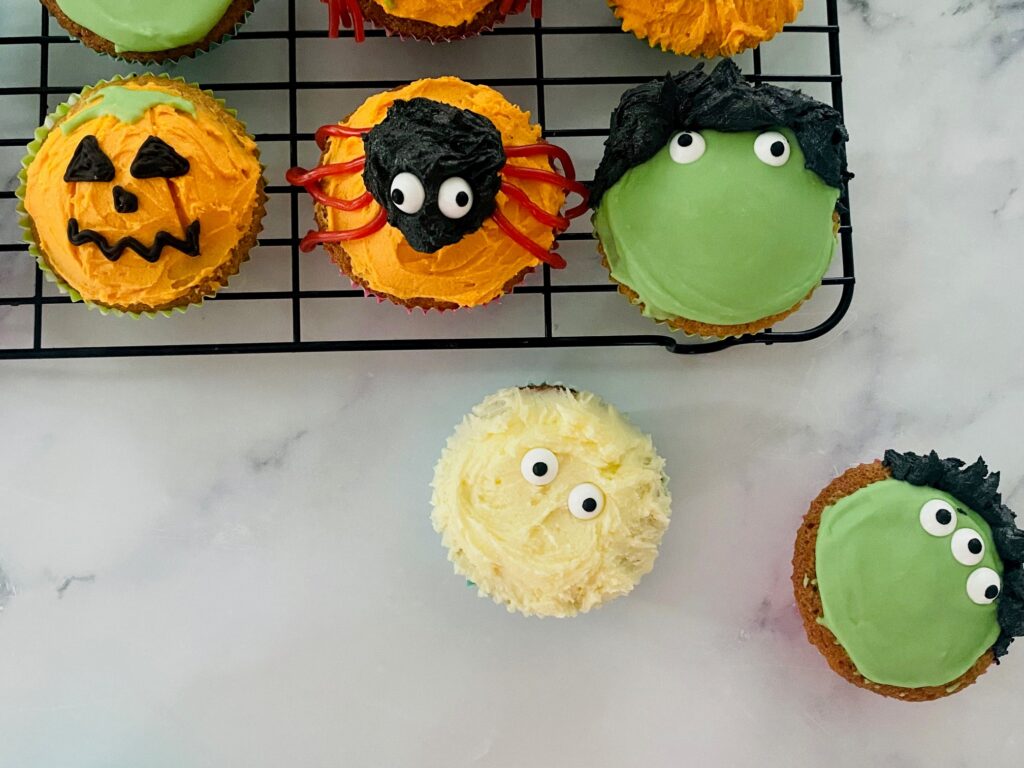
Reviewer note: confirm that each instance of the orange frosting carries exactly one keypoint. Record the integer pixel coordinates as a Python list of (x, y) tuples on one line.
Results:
[(474, 270), (219, 190), (706, 27), (450, 13)]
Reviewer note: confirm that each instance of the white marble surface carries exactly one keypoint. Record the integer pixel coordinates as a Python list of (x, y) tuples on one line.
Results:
[(254, 578)]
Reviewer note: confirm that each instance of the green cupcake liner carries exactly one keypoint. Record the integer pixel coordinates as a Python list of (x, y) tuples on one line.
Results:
[(25, 220)]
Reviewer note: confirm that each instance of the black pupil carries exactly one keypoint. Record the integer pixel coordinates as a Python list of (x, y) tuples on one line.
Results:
[(540, 469), (778, 149), (974, 545), (589, 505), (992, 592), (398, 196), (943, 517), (684, 140), (462, 199)]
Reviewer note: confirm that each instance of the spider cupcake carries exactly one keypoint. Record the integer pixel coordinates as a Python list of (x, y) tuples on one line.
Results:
[(439, 195), (423, 19)]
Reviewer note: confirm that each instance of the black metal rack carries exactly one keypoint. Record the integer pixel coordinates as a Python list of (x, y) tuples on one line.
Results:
[(841, 285)]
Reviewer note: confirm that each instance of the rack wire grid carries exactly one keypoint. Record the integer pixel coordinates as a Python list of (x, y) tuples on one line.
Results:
[(286, 77)]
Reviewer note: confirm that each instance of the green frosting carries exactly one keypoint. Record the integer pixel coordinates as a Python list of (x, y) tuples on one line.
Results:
[(725, 240), (894, 595), (126, 104), (143, 26)]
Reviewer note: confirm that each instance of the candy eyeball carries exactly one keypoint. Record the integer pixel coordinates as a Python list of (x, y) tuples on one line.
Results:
[(938, 517), (968, 547), (407, 193), (772, 148), (586, 501), (983, 586), (455, 198), (539, 466), (687, 147)]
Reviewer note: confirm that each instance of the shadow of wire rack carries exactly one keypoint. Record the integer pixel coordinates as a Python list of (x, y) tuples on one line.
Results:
[(293, 302)]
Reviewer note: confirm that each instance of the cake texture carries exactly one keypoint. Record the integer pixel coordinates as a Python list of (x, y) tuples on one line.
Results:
[(907, 574), (706, 28), (549, 501), (424, 19), (150, 31), (439, 195), (716, 202), (142, 195)]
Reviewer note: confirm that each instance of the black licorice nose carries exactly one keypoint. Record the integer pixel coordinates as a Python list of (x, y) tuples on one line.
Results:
[(125, 201)]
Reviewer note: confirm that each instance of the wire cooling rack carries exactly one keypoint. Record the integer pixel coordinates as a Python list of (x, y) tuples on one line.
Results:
[(291, 302)]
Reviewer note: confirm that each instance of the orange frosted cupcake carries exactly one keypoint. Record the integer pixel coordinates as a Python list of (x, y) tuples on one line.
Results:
[(439, 195), (424, 19), (706, 28), (142, 195)]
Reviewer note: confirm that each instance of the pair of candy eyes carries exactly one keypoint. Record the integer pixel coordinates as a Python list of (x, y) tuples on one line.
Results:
[(772, 148), (540, 467), (454, 196), (938, 518)]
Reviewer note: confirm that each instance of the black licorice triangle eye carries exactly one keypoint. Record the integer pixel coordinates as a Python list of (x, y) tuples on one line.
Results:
[(156, 159), (89, 163)]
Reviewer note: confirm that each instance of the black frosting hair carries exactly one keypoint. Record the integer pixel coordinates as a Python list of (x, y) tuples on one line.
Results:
[(723, 100), (978, 488)]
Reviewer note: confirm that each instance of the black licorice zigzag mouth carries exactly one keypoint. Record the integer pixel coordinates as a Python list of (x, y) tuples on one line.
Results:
[(189, 246)]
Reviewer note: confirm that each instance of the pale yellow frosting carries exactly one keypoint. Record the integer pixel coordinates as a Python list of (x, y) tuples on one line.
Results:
[(449, 13), (518, 542)]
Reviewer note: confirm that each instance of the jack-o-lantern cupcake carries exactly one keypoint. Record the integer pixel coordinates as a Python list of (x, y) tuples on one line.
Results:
[(439, 195), (142, 195), (706, 28), (549, 501), (424, 19), (150, 31)]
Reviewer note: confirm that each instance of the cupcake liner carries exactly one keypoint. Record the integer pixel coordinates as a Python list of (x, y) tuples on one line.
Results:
[(28, 234), (207, 46)]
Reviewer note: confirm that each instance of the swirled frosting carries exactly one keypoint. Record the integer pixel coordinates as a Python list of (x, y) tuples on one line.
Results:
[(705, 27), (524, 544)]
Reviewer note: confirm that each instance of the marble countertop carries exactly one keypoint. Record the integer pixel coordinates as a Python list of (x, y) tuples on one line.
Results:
[(220, 562)]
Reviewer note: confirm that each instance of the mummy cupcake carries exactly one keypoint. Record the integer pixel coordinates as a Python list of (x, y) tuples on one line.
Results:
[(439, 195), (549, 501), (424, 19), (907, 573), (707, 28), (716, 202)]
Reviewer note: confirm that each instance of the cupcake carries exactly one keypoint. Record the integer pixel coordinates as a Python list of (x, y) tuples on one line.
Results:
[(147, 30), (716, 202), (907, 573), (549, 501), (707, 28), (439, 195), (142, 195), (424, 19)]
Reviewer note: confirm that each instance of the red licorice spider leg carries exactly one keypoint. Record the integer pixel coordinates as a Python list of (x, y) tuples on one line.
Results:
[(567, 183), (560, 223), (314, 238), (345, 13), (518, 6), (339, 131), (310, 180), (548, 257)]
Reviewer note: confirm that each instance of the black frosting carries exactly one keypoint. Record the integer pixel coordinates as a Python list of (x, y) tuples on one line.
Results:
[(89, 163), (125, 201), (189, 246), (435, 142), (978, 488), (156, 159), (723, 100)]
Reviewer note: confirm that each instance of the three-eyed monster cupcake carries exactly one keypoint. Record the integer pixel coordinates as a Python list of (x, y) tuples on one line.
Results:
[(141, 195), (907, 573), (549, 501), (424, 19), (716, 201), (150, 31), (707, 28), (439, 195)]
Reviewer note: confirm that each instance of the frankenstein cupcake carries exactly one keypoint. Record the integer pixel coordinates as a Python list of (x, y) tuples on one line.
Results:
[(142, 195), (549, 501), (439, 195), (424, 19), (150, 30), (716, 201), (707, 28), (907, 573)]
